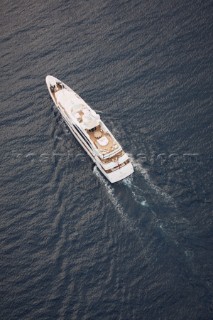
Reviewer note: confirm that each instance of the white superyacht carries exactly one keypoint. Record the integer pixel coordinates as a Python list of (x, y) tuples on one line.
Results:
[(90, 131)]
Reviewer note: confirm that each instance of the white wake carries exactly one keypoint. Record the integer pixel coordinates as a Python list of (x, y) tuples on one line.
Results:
[(114, 200), (136, 192), (138, 167)]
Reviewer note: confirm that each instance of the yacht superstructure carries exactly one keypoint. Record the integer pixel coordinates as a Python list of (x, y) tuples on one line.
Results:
[(90, 131)]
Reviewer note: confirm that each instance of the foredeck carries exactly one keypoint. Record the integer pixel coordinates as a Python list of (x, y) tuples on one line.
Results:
[(57, 88)]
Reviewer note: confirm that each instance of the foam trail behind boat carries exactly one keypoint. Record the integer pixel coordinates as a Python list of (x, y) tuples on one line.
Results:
[(136, 192), (138, 167), (114, 200)]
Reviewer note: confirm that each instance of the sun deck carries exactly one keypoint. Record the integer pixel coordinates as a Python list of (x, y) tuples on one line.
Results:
[(102, 139)]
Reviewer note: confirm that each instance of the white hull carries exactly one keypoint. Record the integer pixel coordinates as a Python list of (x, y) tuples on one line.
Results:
[(111, 161)]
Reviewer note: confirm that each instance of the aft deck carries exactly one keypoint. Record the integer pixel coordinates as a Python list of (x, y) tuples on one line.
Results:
[(103, 141)]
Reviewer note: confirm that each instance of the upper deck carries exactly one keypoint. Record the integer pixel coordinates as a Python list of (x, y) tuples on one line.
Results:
[(89, 121)]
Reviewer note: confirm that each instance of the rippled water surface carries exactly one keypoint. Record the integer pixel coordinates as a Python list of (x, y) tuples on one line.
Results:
[(74, 246)]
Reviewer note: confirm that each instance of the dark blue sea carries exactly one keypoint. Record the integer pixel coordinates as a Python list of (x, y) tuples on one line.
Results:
[(72, 245)]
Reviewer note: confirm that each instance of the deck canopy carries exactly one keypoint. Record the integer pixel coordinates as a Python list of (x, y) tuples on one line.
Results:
[(68, 101), (73, 105), (63, 97), (90, 119)]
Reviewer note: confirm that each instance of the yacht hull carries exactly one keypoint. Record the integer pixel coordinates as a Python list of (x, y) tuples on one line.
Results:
[(113, 175)]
